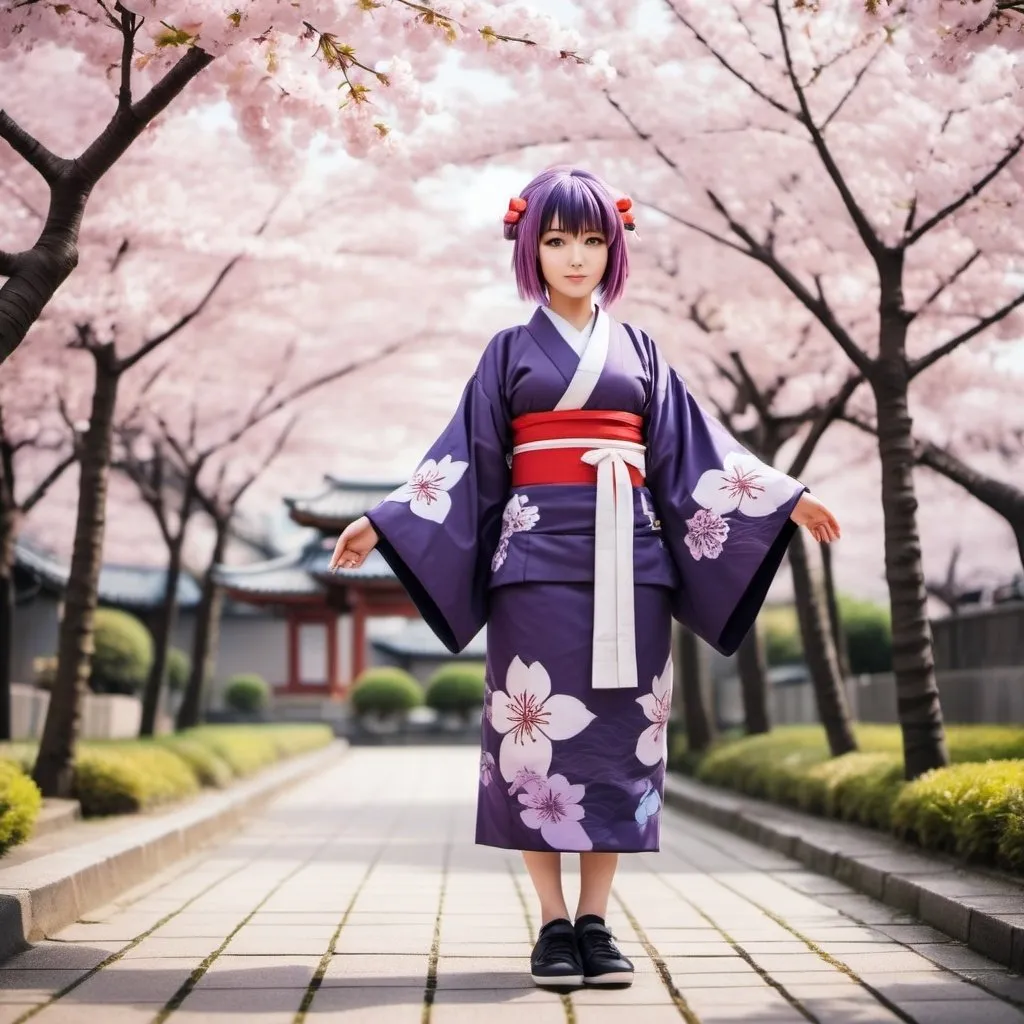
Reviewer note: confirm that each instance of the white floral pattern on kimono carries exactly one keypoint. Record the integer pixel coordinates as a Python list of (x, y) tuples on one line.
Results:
[(745, 484), (553, 807), (529, 717), (427, 489), (652, 745), (517, 518)]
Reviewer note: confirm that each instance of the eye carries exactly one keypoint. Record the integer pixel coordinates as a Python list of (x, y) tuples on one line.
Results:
[(553, 242), (595, 240)]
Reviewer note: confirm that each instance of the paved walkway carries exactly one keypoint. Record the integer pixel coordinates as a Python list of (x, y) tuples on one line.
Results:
[(358, 898)]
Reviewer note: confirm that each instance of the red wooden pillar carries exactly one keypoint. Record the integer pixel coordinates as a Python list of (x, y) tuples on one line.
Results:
[(292, 682), (358, 634), (334, 687)]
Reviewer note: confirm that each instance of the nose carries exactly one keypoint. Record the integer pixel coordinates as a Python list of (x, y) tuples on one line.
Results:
[(576, 255)]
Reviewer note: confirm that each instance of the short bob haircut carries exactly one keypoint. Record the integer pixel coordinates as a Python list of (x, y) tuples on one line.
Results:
[(581, 202)]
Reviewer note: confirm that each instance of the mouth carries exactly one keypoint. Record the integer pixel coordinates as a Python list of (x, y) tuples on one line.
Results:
[(576, 277)]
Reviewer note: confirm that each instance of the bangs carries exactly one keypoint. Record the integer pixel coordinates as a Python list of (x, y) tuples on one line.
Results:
[(574, 208)]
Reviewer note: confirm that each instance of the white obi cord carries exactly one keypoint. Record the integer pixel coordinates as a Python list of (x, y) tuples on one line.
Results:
[(614, 647)]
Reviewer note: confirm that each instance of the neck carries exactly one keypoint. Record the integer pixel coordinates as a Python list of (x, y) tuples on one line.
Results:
[(577, 311)]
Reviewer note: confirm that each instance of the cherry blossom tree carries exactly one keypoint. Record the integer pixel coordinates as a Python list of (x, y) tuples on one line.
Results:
[(279, 67)]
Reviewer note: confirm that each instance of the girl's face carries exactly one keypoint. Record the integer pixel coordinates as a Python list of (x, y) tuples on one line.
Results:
[(572, 265)]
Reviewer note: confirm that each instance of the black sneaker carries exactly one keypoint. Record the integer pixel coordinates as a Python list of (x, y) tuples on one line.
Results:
[(603, 962), (555, 960)]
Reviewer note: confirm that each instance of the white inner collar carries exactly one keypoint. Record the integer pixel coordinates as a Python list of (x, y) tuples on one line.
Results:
[(576, 339)]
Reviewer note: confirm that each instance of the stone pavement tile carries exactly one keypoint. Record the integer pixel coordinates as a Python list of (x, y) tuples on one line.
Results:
[(253, 940), (936, 1012), (173, 946), (925, 986), (782, 946), (57, 956), (744, 995), (863, 963), (359, 971), (372, 1003), (254, 1002), (187, 925), (126, 928), (1000, 982), (17, 985), (65, 1012), (646, 990), (587, 1013), (259, 972), (843, 1010), (708, 965), (866, 910), (845, 933), (475, 949), (805, 962), (495, 972), (498, 1013), (453, 932), (809, 882), (134, 981), (818, 981), (720, 948), (322, 918), (397, 917), (954, 956), (841, 949)]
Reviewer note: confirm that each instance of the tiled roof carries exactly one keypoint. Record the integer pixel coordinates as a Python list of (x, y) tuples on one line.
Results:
[(416, 640), (130, 586), (299, 573), (341, 502)]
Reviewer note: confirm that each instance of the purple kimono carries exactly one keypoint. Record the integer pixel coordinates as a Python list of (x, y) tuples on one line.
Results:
[(568, 762)]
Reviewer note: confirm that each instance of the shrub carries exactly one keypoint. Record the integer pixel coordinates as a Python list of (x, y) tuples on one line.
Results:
[(123, 653), (386, 691), (179, 668), (207, 765), (868, 635), (247, 693), (457, 688), (248, 748), (781, 632), (119, 778), (20, 803)]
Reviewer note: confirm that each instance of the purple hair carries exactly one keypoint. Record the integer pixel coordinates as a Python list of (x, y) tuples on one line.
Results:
[(581, 202)]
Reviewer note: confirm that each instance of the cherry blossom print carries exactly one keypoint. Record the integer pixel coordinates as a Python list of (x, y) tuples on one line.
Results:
[(487, 766), (553, 807), (526, 778), (746, 485), (517, 517), (652, 745), (707, 533), (427, 490), (530, 717), (649, 806)]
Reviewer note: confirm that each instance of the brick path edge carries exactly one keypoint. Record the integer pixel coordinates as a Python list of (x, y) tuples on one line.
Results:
[(933, 888), (41, 896)]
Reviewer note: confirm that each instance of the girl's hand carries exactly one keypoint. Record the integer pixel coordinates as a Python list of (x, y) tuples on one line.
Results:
[(357, 540), (819, 521)]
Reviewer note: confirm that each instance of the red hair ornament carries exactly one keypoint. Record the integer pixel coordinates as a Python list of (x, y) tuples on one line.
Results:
[(516, 207), (624, 205)]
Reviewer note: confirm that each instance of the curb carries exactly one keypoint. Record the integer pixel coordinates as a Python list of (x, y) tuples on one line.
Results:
[(41, 896), (983, 910)]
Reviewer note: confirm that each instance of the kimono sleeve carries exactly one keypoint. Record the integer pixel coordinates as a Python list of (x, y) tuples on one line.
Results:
[(725, 515), (438, 532)]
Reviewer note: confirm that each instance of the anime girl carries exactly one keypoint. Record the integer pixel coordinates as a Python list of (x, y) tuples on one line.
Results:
[(578, 500)]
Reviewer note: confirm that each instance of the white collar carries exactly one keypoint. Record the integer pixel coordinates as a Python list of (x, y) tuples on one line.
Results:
[(574, 337)]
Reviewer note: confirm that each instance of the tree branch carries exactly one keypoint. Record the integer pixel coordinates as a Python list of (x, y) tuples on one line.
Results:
[(974, 190), (833, 411), (920, 365), (39, 491), (735, 72), (857, 79), (11, 263), (860, 221), (129, 361), (943, 285), (50, 166)]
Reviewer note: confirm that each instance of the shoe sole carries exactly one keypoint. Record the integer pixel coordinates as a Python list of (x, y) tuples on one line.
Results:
[(615, 978), (566, 981)]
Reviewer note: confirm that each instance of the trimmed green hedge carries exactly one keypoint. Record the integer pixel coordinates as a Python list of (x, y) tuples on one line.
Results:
[(247, 692), (123, 652), (124, 776), (386, 691), (457, 687), (974, 808)]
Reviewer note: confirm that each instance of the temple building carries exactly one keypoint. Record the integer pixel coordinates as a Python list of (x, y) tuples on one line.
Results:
[(326, 614)]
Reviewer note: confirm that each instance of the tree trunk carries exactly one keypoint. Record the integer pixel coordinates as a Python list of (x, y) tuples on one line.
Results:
[(694, 684), (834, 618), (54, 765), (8, 533), (829, 692), (166, 617), (205, 638), (753, 683), (917, 692)]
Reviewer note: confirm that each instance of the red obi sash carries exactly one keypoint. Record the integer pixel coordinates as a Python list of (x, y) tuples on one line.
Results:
[(552, 457)]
